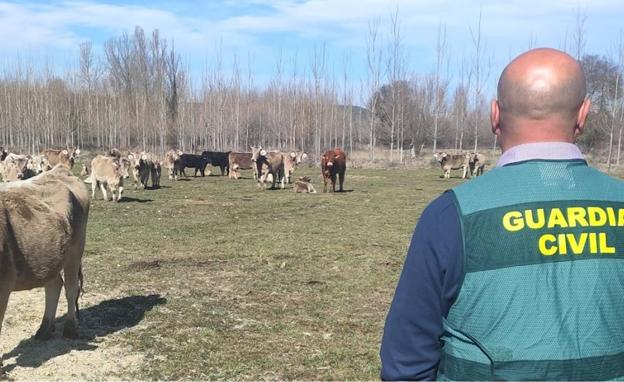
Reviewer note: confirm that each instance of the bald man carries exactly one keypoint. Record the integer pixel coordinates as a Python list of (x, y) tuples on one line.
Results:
[(518, 274)]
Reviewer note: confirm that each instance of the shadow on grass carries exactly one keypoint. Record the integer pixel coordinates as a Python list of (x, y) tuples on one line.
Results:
[(100, 320), (127, 199)]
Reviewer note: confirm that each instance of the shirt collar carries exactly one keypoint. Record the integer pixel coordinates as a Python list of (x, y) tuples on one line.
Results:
[(540, 150)]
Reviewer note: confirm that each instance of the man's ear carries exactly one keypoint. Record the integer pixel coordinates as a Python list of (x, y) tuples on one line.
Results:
[(582, 117), (495, 117)]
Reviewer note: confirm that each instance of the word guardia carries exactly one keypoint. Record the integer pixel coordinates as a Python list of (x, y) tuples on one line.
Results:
[(571, 217)]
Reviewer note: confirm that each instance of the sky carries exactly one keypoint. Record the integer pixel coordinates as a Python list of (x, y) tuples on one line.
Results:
[(259, 32)]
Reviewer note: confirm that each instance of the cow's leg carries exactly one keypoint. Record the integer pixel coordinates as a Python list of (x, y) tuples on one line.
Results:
[(52, 293), (72, 290), (341, 177), (324, 183), (93, 187), (333, 181), (6, 286), (103, 188), (119, 191)]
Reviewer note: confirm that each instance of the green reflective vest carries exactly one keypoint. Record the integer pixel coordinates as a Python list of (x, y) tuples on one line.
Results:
[(543, 290)]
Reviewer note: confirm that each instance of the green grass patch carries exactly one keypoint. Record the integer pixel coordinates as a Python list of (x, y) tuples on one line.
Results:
[(259, 284)]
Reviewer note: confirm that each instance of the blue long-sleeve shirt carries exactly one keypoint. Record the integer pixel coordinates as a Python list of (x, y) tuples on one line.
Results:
[(429, 283)]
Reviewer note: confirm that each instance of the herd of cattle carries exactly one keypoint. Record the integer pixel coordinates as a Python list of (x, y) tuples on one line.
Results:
[(469, 163), (109, 171)]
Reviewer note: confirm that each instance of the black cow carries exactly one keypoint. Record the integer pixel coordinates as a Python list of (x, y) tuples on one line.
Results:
[(197, 162), (218, 159)]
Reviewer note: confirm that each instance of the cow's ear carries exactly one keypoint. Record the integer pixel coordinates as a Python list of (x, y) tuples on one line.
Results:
[(293, 154), (263, 152), (130, 156), (337, 156), (65, 152)]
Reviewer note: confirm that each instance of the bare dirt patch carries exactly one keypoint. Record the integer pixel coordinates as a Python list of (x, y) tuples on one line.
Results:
[(95, 355)]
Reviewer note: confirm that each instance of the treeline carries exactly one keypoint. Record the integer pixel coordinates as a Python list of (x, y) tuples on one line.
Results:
[(137, 93)]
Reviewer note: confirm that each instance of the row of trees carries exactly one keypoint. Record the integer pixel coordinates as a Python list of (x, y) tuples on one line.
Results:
[(137, 93)]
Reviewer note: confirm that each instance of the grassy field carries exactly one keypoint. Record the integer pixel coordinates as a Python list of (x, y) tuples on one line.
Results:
[(224, 281)]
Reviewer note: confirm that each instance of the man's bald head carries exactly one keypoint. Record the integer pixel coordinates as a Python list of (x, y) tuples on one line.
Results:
[(541, 89)]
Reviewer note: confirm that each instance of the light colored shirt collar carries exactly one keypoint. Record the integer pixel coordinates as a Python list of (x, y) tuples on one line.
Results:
[(540, 150)]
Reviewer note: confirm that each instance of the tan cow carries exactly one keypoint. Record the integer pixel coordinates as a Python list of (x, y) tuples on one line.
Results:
[(142, 165), (15, 167), (304, 185), (291, 161), (270, 167), (43, 224), (450, 162), (108, 171), (172, 158), (10, 173), (66, 157), (477, 164), (38, 164)]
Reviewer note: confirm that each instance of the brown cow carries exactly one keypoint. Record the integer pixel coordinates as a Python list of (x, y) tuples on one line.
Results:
[(108, 171), (240, 161), (43, 224), (333, 162)]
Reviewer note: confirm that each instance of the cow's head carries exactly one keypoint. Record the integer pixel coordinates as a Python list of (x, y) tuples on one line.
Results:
[(301, 156), (441, 157), (255, 152), (122, 166)]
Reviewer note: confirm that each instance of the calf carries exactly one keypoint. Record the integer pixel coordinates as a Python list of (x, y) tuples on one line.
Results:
[(304, 185), (240, 161), (108, 171), (270, 167), (218, 159), (333, 163), (450, 162)]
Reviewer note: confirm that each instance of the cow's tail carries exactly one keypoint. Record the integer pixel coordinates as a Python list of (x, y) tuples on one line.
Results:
[(80, 289)]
